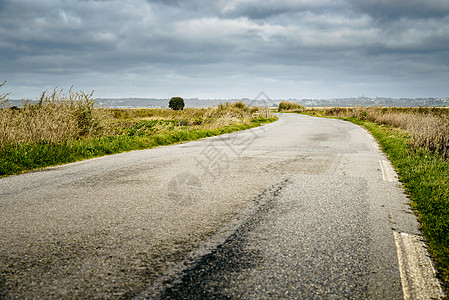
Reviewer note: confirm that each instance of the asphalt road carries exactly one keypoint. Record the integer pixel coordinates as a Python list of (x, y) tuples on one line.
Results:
[(300, 208)]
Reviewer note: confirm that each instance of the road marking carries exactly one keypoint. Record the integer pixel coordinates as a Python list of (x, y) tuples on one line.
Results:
[(416, 268), (373, 142), (388, 173)]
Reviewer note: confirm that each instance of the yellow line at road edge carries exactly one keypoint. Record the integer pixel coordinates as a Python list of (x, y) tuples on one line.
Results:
[(416, 268)]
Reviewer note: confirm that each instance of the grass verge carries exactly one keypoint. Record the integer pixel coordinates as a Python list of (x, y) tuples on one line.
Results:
[(425, 176), (20, 158)]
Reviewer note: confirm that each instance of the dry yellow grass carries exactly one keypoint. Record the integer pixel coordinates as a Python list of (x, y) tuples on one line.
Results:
[(3, 97), (60, 117), (56, 117)]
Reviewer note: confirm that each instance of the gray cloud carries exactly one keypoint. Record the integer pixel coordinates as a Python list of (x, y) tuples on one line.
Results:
[(270, 8), (223, 48), (385, 9)]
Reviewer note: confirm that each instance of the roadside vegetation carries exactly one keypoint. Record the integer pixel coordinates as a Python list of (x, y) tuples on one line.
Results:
[(67, 127), (285, 106), (416, 141)]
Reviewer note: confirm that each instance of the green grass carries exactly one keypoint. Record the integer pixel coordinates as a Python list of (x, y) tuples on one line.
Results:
[(143, 135), (425, 177)]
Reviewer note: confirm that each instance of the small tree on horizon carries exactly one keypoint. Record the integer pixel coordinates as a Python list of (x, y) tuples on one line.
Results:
[(176, 103)]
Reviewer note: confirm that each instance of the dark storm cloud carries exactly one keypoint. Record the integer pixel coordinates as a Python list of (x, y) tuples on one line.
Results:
[(269, 8), (386, 9), (223, 48)]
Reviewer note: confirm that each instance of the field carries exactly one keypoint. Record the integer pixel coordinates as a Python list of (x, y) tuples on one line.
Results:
[(417, 143), (66, 127)]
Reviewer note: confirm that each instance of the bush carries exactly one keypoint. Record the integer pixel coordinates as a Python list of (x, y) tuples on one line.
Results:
[(288, 105), (176, 103)]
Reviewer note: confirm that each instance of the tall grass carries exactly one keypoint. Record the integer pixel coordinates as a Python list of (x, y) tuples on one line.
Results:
[(3, 97), (428, 127), (61, 117), (66, 127), (57, 117)]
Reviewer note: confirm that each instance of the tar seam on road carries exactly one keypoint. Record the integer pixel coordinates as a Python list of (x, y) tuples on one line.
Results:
[(174, 274), (416, 268)]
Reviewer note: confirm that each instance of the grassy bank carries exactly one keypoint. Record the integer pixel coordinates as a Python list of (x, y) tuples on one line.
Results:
[(421, 163), (63, 128)]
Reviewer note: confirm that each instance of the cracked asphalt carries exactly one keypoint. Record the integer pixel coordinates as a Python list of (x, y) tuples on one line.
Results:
[(109, 228)]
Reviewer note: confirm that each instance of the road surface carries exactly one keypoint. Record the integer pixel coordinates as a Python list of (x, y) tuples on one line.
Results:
[(300, 208)]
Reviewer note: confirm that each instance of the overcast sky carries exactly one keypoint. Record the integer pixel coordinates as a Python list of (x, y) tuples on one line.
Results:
[(226, 49)]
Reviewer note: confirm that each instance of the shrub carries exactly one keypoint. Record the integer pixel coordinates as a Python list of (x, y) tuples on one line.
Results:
[(288, 105), (176, 103)]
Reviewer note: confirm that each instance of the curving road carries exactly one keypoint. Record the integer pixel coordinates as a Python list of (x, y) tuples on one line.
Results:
[(300, 208)]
